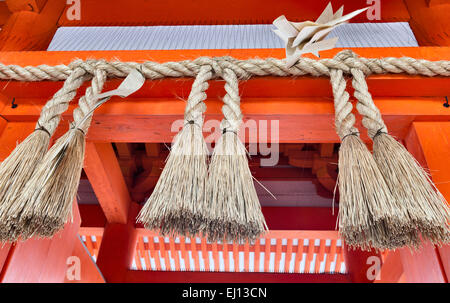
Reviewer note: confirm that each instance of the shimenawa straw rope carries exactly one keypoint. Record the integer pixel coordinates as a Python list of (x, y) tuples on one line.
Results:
[(417, 201), (174, 205), (365, 199), (21, 163), (232, 207), (52, 188)]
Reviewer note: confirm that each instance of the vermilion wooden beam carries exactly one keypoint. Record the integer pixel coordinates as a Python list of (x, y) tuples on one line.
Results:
[(300, 119), (65, 57), (103, 171), (172, 12), (429, 21), (30, 30), (25, 5), (227, 277), (5, 13)]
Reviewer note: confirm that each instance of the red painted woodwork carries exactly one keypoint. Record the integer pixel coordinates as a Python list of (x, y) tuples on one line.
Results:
[(103, 171), (444, 258), (392, 269), (303, 106), (5, 13), (13, 133), (304, 119), (429, 21), (42, 260), (117, 248), (92, 215), (226, 277), (356, 262), (89, 270), (170, 12), (422, 266), (25, 5), (5, 251), (30, 29), (300, 218), (429, 142)]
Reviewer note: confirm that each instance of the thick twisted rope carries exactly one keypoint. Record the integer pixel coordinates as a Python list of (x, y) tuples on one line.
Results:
[(53, 109), (196, 106), (244, 69), (372, 119), (232, 103), (82, 115), (344, 118)]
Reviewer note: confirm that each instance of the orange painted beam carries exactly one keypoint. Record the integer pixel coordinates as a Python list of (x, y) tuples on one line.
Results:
[(25, 5), (30, 29), (13, 133), (429, 21), (65, 57), (301, 119), (173, 12), (5, 13), (103, 171), (136, 276)]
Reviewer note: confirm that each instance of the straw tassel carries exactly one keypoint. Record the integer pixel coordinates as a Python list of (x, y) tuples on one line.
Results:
[(364, 203), (414, 193), (49, 194), (16, 170), (174, 205), (232, 207)]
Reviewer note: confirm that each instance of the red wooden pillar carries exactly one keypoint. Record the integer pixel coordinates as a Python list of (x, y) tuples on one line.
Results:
[(117, 248), (429, 142)]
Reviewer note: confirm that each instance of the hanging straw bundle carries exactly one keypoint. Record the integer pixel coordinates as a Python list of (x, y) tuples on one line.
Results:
[(365, 204), (16, 170), (232, 209), (416, 198), (48, 196), (174, 205)]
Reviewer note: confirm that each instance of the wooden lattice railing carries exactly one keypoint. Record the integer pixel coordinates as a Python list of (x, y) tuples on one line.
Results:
[(278, 251)]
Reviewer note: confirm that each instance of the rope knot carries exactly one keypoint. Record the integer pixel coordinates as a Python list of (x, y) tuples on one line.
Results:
[(213, 63), (352, 60)]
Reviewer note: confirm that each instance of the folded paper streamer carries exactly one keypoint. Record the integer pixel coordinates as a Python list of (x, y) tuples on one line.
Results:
[(309, 37)]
